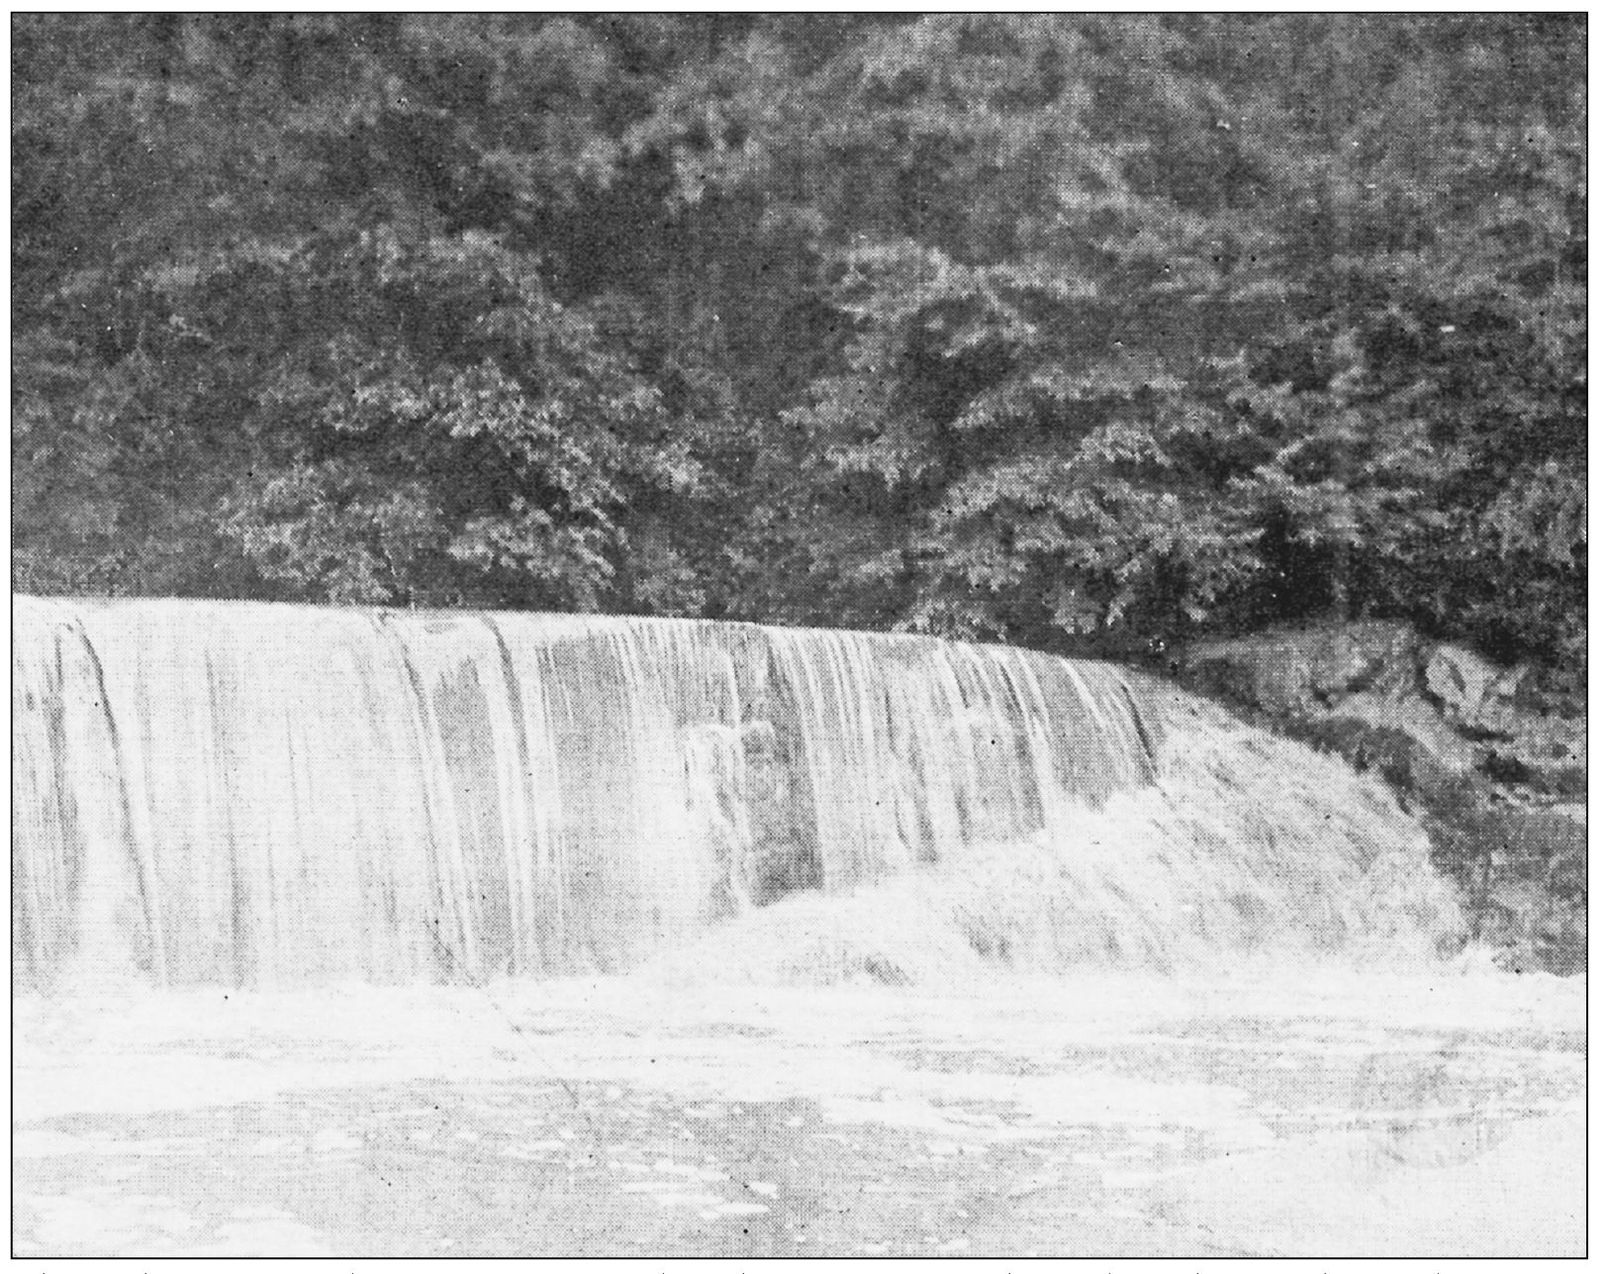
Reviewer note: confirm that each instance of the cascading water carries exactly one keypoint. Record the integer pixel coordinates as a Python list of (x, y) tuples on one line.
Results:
[(268, 795)]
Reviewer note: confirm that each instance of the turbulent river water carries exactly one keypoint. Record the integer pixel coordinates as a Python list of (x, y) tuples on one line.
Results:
[(357, 932), (1273, 1111)]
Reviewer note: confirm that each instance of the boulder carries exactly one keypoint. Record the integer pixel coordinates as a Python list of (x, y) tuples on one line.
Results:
[(1461, 681)]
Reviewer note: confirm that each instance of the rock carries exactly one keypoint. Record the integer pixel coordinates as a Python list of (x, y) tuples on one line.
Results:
[(1465, 711), (1529, 840), (1445, 750), (1459, 737), (1298, 670), (1548, 835), (1547, 754), (1461, 681), (1404, 761), (1523, 872), (1351, 688)]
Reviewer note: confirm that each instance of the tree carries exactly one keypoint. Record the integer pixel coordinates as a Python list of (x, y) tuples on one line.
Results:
[(314, 333), (1069, 330), (1428, 385)]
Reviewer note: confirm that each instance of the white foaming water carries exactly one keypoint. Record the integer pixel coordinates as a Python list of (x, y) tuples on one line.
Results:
[(268, 795)]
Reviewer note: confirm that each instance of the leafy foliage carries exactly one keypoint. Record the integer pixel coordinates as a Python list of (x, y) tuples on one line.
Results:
[(1070, 330)]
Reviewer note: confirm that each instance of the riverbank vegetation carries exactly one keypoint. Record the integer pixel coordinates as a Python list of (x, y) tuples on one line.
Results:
[(1082, 332)]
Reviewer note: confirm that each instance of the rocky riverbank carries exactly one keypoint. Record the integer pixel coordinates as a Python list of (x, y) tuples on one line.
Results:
[(1493, 760)]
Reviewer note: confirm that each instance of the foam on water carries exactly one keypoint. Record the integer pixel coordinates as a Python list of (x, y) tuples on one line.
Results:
[(268, 795)]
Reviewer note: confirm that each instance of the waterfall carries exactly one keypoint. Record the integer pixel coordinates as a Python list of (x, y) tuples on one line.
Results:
[(255, 794)]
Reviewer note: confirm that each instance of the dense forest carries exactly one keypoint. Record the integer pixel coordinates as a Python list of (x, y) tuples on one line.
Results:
[(1081, 332)]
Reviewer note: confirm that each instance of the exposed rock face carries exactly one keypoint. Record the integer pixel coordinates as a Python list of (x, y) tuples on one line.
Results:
[(1301, 669), (1496, 771), (1467, 713)]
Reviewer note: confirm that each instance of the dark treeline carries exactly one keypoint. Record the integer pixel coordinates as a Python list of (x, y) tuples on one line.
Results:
[(1077, 331)]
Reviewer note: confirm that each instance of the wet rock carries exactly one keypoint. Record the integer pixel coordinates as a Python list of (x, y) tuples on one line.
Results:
[(784, 856), (1300, 670), (1464, 742)]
